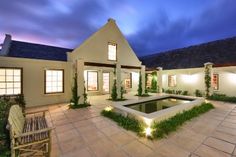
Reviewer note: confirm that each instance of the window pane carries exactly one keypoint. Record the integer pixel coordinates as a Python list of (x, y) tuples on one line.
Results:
[(17, 91), (54, 81), (2, 78), (17, 72), (92, 81), (10, 81), (111, 51), (10, 91), (9, 71), (2, 85), (2, 71)]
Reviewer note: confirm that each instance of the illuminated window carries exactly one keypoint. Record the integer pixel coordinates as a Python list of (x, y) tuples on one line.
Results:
[(92, 81), (172, 80), (112, 51), (10, 81), (54, 81), (149, 81), (215, 81), (106, 82), (128, 80)]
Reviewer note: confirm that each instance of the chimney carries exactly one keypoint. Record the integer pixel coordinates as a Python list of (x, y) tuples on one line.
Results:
[(111, 20), (6, 45)]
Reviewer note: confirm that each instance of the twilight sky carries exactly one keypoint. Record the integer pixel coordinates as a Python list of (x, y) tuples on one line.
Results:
[(150, 26)]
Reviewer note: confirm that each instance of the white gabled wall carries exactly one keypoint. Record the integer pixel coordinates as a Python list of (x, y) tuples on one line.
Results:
[(95, 48)]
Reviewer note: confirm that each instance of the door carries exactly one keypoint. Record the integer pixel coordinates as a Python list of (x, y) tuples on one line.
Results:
[(106, 82)]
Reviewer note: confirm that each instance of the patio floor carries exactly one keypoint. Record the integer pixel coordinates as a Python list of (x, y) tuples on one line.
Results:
[(84, 133)]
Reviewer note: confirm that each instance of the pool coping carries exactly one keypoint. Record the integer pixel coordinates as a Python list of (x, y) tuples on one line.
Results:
[(157, 116)]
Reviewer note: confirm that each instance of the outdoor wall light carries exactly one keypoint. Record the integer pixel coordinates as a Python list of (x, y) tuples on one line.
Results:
[(108, 108)]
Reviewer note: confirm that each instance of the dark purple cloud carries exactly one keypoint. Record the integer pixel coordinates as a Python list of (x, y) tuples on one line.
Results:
[(150, 26)]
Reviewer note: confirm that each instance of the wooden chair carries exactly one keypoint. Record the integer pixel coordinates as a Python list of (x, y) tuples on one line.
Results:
[(30, 134)]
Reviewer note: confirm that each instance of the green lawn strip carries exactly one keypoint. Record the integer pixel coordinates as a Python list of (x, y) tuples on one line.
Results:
[(79, 106), (127, 123), (222, 97), (163, 128)]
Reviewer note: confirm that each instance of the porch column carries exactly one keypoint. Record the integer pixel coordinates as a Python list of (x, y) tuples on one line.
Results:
[(159, 79), (209, 66), (100, 81), (80, 79), (118, 79), (143, 78)]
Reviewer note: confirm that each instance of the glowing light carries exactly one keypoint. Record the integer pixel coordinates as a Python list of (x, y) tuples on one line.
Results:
[(206, 101), (108, 108), (148, 131), (148, 121)]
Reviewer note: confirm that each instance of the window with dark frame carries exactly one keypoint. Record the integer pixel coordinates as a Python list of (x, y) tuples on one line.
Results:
[(92, 80), (215, 81), (10, 81), (128, 81), (54, 81), (112, 51)]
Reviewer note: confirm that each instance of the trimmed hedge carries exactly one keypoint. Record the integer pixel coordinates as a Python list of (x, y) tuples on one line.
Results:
[(222, 97), (163, 128)]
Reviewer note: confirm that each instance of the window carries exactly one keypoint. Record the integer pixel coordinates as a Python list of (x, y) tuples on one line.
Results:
[(128, 80), (54, 81), (172, 80), (112, 51), (149, 81), (215, 81), (10, 81), (106, 82), (92, 80)]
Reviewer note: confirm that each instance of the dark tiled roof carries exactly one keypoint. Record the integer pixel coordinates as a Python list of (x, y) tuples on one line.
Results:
[(37, 51), (220, 52)]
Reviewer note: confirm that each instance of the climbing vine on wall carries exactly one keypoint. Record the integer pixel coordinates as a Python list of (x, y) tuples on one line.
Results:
[(207, 80)]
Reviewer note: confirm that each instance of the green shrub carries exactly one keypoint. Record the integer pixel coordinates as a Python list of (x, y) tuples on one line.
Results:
[(154, 81), (185, 92), (20, 100), (163, 128), (222, 97), (140, 89), (75, 98), (198, 93), (128, 123), (114, 91)]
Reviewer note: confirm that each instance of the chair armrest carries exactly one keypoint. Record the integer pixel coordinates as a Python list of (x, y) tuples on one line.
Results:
[(35, 112), (34, 132)]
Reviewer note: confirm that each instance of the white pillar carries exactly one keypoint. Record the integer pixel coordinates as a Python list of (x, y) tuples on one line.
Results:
[(143, 78), (80, 79), (118, 80), (209, 65), (159, 79), (100, 81)]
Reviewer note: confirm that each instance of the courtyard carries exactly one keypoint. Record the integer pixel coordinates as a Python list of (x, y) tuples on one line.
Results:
[(85, 133)]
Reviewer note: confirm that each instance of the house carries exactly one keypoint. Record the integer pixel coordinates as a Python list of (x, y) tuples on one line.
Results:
[(183, 69), (44, 74)]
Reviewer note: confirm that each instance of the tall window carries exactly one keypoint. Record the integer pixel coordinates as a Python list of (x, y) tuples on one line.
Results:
[(128, 80), (112, 48), (54, 81), (215, 81), (10, 81), (172, 80), (92, 81), (106, 82)]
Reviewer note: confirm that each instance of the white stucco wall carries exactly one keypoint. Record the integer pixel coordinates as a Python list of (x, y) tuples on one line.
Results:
[(193, 78), (33, 79)]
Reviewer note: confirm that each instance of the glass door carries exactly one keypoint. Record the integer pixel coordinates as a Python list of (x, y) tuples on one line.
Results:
[(106, 82)]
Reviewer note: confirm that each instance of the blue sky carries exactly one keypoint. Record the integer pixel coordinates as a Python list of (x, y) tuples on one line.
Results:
[(150, 26)]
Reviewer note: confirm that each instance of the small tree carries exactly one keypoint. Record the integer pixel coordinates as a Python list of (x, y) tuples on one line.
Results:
[(140, 90), (75, 97), (114, 91), (154, 81), (122, 91), (21, 101), (85, 96), (207, 80)]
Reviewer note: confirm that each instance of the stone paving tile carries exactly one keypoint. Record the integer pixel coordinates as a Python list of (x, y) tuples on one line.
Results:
[(230, 131), (224, 136), (111, 130), (169, 150), (121, 138), (83, 152), (219, 144), (137, 149), (205, 151), (228, 124), (72, 144), (67, 135)]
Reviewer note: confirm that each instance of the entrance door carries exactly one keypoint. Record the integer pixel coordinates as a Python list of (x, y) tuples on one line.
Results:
[(106, 82)]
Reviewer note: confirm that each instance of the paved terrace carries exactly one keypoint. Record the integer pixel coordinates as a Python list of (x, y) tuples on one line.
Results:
[(84, 133)]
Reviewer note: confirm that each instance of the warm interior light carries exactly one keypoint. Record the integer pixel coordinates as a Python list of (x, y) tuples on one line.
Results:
[(108, 108), (206, 101), (148, 121), (148, 131)]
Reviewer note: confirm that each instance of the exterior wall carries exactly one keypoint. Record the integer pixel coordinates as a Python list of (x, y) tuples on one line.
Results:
[(95, 48), (33, 79), (192, 79)]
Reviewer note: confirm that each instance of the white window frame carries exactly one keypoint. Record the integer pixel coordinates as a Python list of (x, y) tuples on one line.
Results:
[(88, 81), (172, 81)]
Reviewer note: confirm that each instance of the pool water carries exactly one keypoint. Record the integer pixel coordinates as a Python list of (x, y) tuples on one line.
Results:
[(156, 105)]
